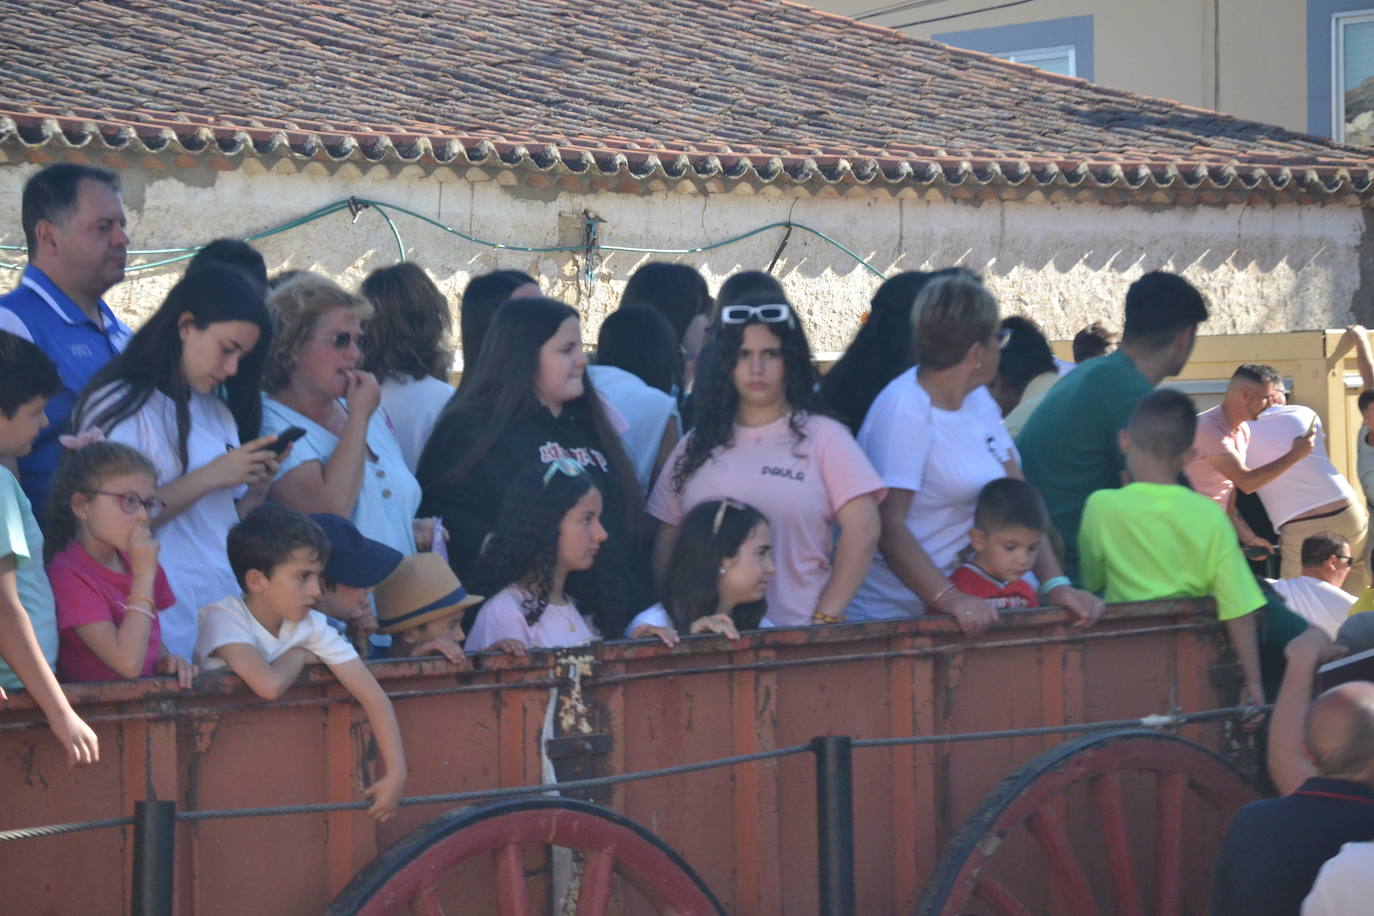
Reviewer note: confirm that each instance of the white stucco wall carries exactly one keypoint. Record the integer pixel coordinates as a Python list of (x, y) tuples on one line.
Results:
[(1264, 267)]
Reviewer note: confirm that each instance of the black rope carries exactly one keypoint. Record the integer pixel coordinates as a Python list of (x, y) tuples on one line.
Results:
[(1153, 721)]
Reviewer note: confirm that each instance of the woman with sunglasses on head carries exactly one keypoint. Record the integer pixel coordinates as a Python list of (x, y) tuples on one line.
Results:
[(757, 440), (529, 403), (348, 462), (185, 393), (718, 577), (935, 435)]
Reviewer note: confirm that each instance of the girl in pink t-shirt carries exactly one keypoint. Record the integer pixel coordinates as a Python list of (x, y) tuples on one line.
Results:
[(756, 441), (722, 564), (102, 563), (542, 561)]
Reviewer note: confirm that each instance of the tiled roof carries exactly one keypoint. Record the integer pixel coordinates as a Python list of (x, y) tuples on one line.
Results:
[(740, 89)]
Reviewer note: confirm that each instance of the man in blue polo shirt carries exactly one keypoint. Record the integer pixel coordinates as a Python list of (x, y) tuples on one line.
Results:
[(74, 228)]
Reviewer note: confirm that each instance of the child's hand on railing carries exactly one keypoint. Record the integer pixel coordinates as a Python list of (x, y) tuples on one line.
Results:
[(442, 645), (646, 631), (715, 623), (385, 795)]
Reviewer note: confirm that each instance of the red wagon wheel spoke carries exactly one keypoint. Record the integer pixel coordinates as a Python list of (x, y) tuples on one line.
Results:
[(1047, 826), (1169, 843), (1196, 793), (512, 897), (406, 877), (1116, 842), (595, 893), (427, 903), (991, 892)]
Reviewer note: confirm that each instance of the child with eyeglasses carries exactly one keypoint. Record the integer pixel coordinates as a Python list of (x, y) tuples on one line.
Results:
[(103, 567), (544, 567), (722, 564)]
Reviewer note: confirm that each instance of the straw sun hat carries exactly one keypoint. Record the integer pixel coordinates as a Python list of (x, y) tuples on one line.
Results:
[(421, 589)]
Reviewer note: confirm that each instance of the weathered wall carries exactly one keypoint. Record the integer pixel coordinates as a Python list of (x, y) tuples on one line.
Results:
[(1265, 268)]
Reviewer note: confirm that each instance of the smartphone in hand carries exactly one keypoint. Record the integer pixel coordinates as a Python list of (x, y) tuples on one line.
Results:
[(287, 436)]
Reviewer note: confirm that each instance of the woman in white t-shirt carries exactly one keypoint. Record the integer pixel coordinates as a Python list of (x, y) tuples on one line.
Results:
[(185, 393), (936, 437), (348, 462), (756, 441), (408, 350)]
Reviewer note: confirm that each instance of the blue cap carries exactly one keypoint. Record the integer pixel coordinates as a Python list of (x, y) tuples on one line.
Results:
[(354, 560)]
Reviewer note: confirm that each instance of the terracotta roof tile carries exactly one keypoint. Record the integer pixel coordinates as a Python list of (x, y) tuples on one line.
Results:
[(750, 89)]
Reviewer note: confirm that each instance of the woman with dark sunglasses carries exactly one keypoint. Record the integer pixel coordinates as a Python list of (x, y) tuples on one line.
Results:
[(185, 394), (348, 462), (758, 440)]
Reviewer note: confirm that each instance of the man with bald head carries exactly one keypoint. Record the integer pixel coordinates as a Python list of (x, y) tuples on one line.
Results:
[(1322, 757)]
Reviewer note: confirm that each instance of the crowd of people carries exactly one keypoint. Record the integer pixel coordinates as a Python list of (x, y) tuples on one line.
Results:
[(275, 471)]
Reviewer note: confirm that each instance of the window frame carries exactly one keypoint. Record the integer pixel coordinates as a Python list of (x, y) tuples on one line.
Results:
[(1043, 53), (1338, 23)]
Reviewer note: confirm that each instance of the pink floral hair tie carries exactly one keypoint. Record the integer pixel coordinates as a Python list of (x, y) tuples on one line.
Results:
[(81, 440)]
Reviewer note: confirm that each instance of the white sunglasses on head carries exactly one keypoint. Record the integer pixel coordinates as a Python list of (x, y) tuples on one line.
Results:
[(776, 313)]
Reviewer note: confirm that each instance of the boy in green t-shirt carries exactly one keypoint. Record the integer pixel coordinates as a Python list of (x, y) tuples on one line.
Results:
[(1155, 539), (27, 620)]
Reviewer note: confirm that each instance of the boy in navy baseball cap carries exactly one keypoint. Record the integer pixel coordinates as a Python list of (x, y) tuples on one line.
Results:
[(355, 567)]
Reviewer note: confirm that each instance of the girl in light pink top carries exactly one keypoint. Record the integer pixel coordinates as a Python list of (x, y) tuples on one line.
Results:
[(755, 441), (541, 564)]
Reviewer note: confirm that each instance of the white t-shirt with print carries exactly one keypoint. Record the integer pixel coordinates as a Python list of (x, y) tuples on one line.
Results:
[(192, 551), (229, 621), (945, 457)]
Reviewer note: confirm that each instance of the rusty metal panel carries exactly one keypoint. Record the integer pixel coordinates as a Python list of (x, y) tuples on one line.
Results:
[(748, 829)]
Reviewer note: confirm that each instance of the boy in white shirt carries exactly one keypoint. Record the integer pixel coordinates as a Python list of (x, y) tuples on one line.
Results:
[(271, 631)]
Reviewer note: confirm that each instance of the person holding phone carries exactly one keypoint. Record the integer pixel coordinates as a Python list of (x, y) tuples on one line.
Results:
[(185, 394), (348, 462)]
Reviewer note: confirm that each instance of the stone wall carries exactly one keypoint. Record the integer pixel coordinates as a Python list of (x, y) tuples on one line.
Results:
[(1264, 267)]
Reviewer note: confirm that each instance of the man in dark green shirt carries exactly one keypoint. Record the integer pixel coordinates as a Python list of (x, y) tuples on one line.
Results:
[(1070, 445)]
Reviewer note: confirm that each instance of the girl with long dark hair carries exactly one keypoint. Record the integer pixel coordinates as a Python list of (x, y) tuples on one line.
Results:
[(185, 393), (758, 440), (549, 584), (638, 371), (718, 577), (880, 351), (528, 404)]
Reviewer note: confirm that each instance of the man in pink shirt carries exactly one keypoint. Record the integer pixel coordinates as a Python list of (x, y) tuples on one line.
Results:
[(1219, 462)]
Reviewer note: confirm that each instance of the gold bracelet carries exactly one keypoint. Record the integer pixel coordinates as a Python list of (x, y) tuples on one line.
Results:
[(826, 618)]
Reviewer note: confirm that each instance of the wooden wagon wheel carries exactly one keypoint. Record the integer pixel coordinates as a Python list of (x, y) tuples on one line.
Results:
[(1181, 780), (404, 877)]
